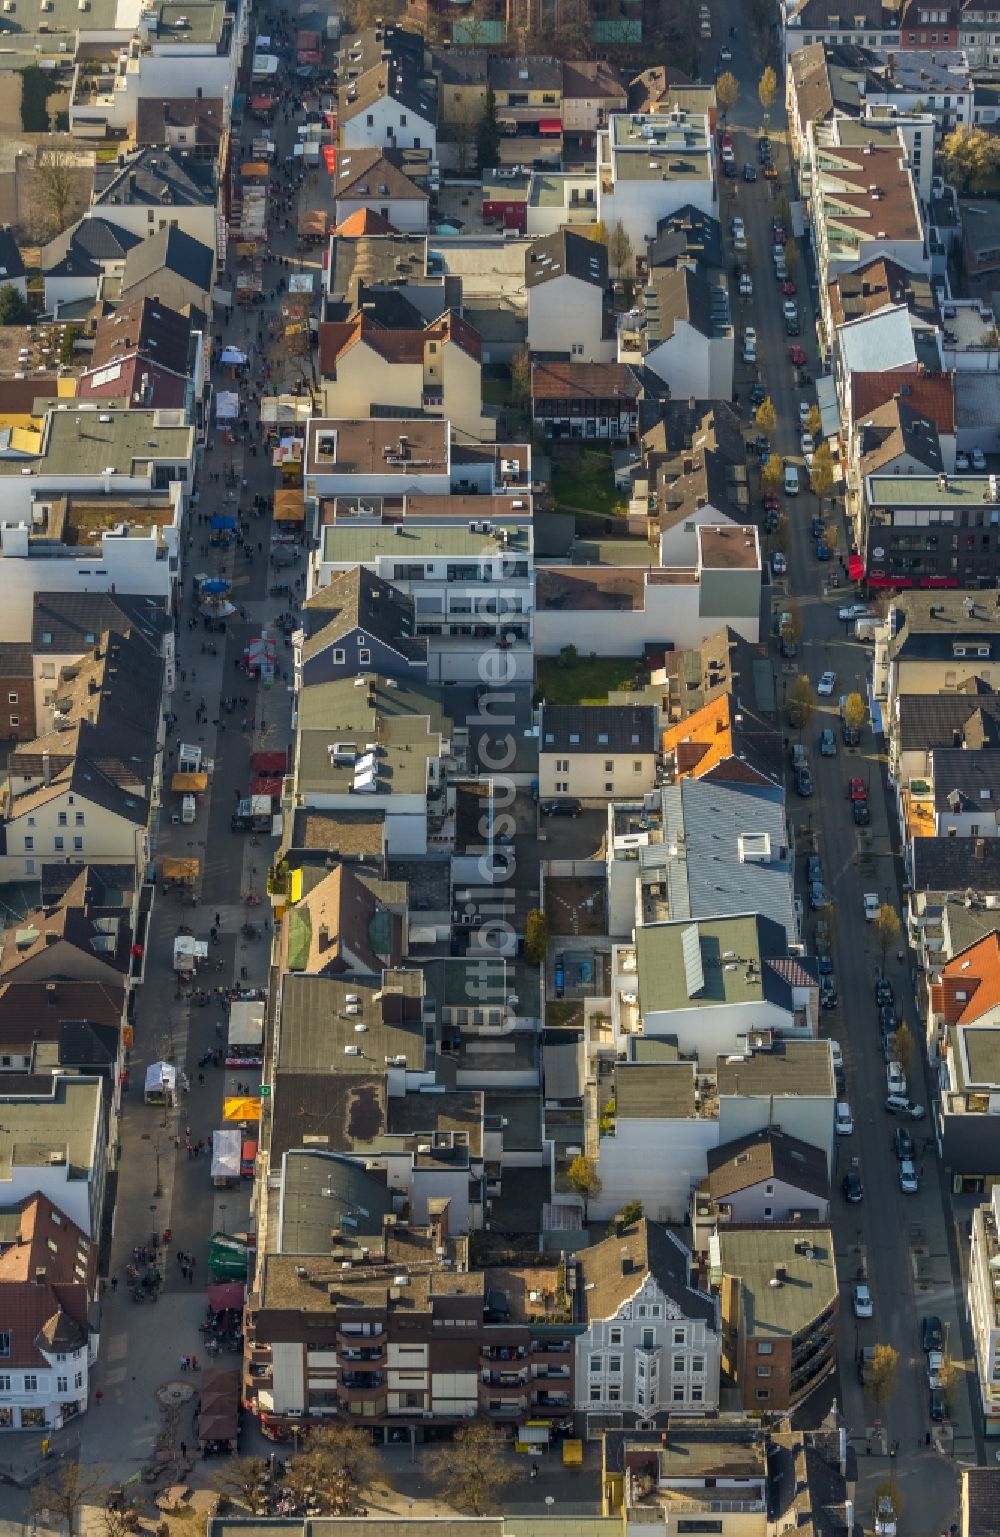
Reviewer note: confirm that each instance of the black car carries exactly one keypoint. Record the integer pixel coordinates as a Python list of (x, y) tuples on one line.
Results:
[(792, 327), (771, 517), (887, 1018), (827, 993), (903, 1143), (804, 784), (569, 807), (861, 814), (932, 1335), (883, 991), (758, 394), (853, 1189), (763, 149), (749, 172), (938, 1407)]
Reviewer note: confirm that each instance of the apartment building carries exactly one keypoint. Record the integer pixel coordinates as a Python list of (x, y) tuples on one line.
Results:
[(597, 750), (963, 1033), (649, 165), (983, 1298)]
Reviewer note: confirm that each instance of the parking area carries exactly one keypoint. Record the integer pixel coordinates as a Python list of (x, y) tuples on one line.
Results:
[(576, 838)]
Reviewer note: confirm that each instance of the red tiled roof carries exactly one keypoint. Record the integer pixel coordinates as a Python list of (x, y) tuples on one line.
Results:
[(365, 221), (50, 1269), (932, 395), (969, 986), (583, 381)]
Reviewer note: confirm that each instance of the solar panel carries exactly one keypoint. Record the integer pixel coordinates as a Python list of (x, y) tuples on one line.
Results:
[(691, 950)]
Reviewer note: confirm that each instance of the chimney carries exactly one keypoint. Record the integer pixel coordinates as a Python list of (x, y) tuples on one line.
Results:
[(626, 1264), (439, 1223), (979, 848), (688, 464), (46, 769), (779, 1273), (51, 937)]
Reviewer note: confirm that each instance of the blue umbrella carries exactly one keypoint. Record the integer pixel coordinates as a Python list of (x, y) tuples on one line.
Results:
[(215, 584), (223, 520)]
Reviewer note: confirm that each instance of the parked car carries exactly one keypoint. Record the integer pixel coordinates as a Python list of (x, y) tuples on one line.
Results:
[(883, 991), (961, 461), (870, 900), (852, 611), (827, 743), (822, 548), (857, 790), (860, 813), (814, 866), (828, 997), (895, 1078), (796, 355), (935, 1368), (791, 480), (908, 1182), (779, 565), (835, 1048), (804, 784), (818, 896), (863, 1305), (826, 684), (886, 1017), (569, 807), (844, 1119), (978, 459), (938, 1409), (749, 172), (853, 1189), (898, 1104), (931, 1333), (903, 1143)]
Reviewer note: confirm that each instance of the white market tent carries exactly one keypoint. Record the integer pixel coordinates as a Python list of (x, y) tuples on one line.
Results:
[(226, 1149), (161, 1079), (246, 1023)]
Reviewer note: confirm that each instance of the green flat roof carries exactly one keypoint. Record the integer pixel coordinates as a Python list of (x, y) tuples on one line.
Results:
[(87, 443), (369, 542), (662, 977), (924, 491), (810, 1283)]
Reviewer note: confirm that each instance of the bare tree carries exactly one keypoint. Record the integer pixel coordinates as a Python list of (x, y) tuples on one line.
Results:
[(338, 1464), (243, 1481), (472, 1470), (62, 1493), (620, 252)]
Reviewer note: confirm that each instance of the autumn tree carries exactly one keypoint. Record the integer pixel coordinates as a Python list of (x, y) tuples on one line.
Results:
[(620, 253), (520, 373), (906, 1047), (821, 473), (883, 1370), (488, 134), (61, 1494), (584, 1180), (767, 89), (536, 936), (801, 704), (814, 421), (886, 927), (972, 157), (598, 232), (244, 1481), (338, 1464), (727, 93), (472, 1470), (772, 474), (831, 534), (766, 416), (854, 712)]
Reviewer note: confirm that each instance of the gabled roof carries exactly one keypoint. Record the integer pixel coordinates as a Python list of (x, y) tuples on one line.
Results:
[(721, 739), (932, 395), (584, 381), (365, 221), (70, 623), (966, 782), (566, 253), (169, 250), (598, 729), (886, 336), (768, 1154), (878, 285), (341, 923), (588, 79), (895, 430), (47, 1277), (147, 327), (926, 721), (611, 1272), (810, 80), (689, 234), (357, 599), (396, 344), (374, 173), (157, 177), (156, 116), (968, 987), (955, 865)]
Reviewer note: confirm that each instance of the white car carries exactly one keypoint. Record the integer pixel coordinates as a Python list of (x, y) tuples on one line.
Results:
[(895, 1079), (844, 1120), (808, 457), (838, 1056), (805, 406), (854, 611), (863, 1305), (791, 480), (749, 336), (779, 565), (961, 460), (736, 226), (749, 352), (908, 1182), (746, 286), (826, 685), (790, 310), (935, 1368), (871, 905), (978, 459), (807, 443)]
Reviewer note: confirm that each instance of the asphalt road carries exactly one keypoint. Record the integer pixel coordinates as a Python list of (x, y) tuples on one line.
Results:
[(902, 1245)]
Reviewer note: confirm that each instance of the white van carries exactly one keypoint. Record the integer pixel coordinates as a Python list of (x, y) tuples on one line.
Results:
[(895, 1078), (791, 480)]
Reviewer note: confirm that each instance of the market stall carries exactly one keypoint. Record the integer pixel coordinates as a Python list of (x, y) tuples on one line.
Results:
[(219, 1411), (246, 1035), (241, 1107), (313, 226), (289, 506), (189, 784), (161, 1083), (179, 874), (227, 1256), (188, 951), (227, 1146)]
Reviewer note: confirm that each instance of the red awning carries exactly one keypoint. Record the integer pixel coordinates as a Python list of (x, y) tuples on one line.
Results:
[(226, 1294), (855, 567), (939, 581), (889, 581), (550, 125)]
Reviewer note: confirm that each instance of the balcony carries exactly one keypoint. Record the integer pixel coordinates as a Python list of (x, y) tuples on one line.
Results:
[(503, 1353), (353, 1353), (504, 1411), (553, 1401), (503, 1382), (552, 1374), (356, 1386), (551, 1347), (352, 1339)]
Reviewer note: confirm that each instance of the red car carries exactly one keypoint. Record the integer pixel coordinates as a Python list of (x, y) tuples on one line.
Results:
[(788, 288), (797, 356), (857, 790), (779, 235), (770, 174), (770, 504)]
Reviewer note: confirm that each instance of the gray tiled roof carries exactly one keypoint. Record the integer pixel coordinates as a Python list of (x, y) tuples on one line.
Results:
[(966, 781), (598, 728), (552, 256), (171, 249), (926, 721), (955, 864)]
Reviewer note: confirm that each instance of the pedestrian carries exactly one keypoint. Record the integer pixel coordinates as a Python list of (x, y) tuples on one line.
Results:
[(184, 1450), (98, 1398), (194, 1363), (184, 1359), (114, 1283)]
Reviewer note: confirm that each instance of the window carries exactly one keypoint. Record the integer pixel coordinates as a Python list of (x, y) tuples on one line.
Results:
[(29, 843), (4, 1342), (697, 1394), (637, 765), (763, 1371), (595, 1363), (678, 1395), (648, 1339), (62, 819), (562, 765), (615, 1365), (370, 120), (29, 867), (4, 1382), (614, 1395), (609, 786), (595, 1393), (769, 1211), (609, 765), (62, 1384), (765, 1349), (364, 657), (680, 1337), (768, 1189), (698, 1365), (48, 669), (402, 122), (15, 720), (78, 1380), (78, 845), (31, 1382), (338, 653), (616, 1336), (679, 1363), (78, 819), (763, 1392), (31, 821), (12, 699), (59, 844)]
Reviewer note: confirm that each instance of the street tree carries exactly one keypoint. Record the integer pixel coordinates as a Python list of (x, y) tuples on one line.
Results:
[(801, 704), (886, 928), (620, 253), (883, 1371), (60, 1495), (791, 257), (831, 535), (814, 421), (766, 416), (520, 374), (780, 534), (244, 1481), (727, 93), (772, 474), (783, 211), (972, 158), (472, 1471), (584, 1180), (338, 1464), (854, 711), (767, 89), (821, 474), (536, 936), (598, 232), (906, 1047)]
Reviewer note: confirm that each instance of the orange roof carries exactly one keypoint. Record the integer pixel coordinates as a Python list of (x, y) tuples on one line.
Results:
[(701, 740), (969, 986), (365, 221)]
